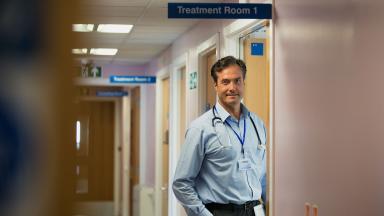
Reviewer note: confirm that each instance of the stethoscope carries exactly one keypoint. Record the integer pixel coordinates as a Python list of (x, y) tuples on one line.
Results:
[(216, 119)]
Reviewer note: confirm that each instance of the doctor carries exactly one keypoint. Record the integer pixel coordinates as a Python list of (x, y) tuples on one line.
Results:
[(222, 168)]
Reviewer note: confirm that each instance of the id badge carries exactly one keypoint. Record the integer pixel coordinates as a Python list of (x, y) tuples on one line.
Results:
[(259, 210), (244, 164)]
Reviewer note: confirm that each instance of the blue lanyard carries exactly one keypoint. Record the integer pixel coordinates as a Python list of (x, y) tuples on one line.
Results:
[(237, 135)]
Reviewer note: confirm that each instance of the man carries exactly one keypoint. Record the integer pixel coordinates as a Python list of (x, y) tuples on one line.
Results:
[(222, 169)]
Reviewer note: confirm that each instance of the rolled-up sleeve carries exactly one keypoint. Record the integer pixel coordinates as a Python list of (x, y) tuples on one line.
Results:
[(188, 168)]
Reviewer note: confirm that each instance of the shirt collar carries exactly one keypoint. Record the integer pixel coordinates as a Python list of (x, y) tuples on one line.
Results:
[(224, 114)]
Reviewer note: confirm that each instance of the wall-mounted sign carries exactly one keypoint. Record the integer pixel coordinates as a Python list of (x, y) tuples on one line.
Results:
[(193, 80), (111, 93), (90, 70), (257, 49), (133, 79), (219, 11)]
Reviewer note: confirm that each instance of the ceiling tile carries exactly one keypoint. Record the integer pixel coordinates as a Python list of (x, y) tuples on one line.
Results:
[(105, 19), (131, 61), (144, 46), (131, 3), (112, 11)]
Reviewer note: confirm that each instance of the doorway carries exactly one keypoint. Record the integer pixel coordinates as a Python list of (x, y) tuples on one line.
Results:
[(95, 157), (208, 93), (255, 49)]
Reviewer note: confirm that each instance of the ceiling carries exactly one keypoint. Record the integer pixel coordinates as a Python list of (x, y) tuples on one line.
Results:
[(152, 33)]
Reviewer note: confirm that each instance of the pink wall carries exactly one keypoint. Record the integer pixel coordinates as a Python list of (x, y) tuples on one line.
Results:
[(329, 107), (124, 70), (150, 134)]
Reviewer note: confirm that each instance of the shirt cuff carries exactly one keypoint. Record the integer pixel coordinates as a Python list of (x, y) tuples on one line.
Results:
[(205, 212)]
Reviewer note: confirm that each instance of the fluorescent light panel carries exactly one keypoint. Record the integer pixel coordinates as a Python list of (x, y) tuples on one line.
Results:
[(103, 51), (114, 28), (82, 51), (82, 27)]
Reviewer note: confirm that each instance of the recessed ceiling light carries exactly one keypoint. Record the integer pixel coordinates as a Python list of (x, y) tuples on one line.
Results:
[(114, 28), (82, 51), (82, 27), (103, 51)]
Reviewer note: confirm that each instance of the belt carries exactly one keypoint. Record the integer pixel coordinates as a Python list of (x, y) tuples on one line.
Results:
[(231, 206)]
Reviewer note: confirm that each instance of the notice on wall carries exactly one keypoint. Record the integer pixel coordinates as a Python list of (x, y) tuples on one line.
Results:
[(257, 49), (193, 80), (133, 79), (90, 70)]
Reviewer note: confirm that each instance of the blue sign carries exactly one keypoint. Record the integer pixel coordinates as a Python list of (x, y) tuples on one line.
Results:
[(257, 49), (219, 11), (132, 79), (111, 93)]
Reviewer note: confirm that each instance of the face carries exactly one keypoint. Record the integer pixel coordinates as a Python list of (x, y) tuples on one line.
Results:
[(230, 86)]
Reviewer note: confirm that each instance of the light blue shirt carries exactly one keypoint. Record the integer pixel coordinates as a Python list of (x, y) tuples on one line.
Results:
[(208, 169)]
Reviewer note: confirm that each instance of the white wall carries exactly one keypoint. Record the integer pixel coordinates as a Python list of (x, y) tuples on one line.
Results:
[(329, 109)]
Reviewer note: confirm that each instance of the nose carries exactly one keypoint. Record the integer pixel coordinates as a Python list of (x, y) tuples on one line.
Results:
[(232, 86)]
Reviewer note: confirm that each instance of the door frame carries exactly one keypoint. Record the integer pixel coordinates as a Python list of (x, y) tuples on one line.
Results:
[(232, 34), (174, 152), (202, 50), (162, 74)]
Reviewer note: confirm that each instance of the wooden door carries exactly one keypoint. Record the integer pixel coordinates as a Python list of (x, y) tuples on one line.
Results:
[(210, 88), (256, 92), (135, 142)]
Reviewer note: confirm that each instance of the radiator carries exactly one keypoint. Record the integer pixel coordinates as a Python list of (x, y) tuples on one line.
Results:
[(143, 201)]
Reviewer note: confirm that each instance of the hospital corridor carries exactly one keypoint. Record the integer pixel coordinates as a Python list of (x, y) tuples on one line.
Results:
[(100, 98)]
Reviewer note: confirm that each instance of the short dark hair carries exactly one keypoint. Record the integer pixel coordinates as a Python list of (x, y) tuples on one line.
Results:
[(225, 62)]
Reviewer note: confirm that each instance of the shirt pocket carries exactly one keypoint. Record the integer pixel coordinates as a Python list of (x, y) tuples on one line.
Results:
[(220, 154)]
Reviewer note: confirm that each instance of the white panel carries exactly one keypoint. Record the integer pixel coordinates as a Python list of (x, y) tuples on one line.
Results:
[(143, 203)]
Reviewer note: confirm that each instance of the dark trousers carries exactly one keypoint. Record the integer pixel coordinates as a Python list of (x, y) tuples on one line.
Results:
[(245, 209)]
